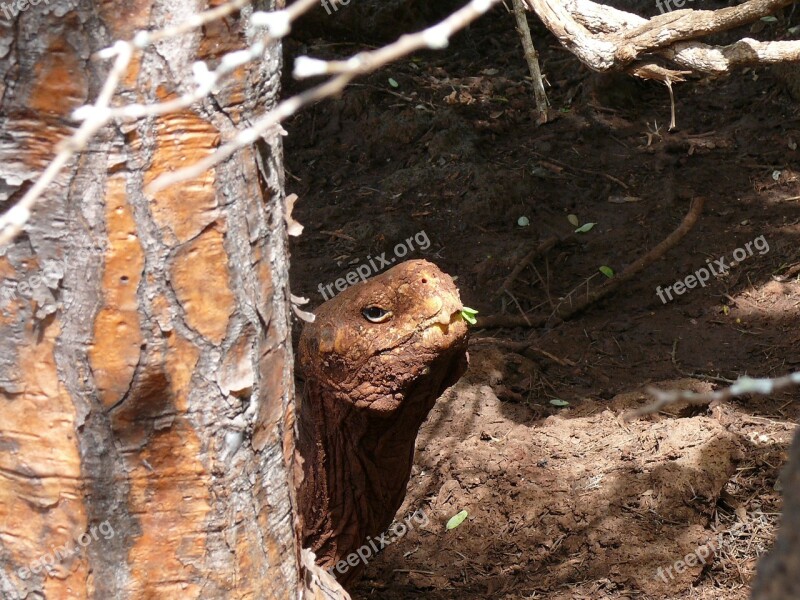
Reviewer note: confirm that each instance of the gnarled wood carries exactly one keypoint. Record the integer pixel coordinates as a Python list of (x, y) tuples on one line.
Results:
[(605, 38)]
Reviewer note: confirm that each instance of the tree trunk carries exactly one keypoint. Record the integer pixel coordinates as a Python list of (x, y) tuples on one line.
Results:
[(777, 576), (146, 392)]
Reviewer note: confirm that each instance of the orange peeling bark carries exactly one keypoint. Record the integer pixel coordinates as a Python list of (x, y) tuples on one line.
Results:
[(170, 496), (184, 209), (199, 276), (40, 474), (169, 484), (117, 334), (60, 81)]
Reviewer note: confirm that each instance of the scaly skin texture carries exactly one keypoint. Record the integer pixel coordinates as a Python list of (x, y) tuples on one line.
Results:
[(369, 386)]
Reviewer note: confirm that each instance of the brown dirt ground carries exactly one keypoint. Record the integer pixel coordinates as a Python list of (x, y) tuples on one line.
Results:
[(571, 502)]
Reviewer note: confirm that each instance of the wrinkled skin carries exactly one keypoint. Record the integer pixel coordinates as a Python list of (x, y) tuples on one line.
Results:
[(369, 386)]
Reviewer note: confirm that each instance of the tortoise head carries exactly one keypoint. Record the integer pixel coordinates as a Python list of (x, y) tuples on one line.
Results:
[(376, 339)]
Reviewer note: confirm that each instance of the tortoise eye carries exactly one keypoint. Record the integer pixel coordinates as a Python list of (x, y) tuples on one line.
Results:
[(375, 314)]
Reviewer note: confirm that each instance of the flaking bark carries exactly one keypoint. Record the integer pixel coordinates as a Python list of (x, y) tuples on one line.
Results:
[(146, 394)]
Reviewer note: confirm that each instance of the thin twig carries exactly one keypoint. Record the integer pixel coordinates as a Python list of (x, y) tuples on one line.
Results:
[(434, 37), (519, 308), (532, 57), (580, 170), (99, 114), (694, 374), (539, 249), (545, 284)]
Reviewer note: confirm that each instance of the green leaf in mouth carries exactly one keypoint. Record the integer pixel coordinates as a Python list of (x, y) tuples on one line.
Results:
[(469, 315)]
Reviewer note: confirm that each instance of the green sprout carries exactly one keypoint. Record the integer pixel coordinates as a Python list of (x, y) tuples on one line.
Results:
[(469, 315)]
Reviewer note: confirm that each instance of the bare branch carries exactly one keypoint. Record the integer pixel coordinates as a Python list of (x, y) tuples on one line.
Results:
[(680, 25), (532, 57), (97, 115), (13, 220), (743, 386), (434, 37), (277, 24), (717, 60)]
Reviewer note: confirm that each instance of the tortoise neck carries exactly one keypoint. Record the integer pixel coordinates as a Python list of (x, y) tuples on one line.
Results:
[(357, 459), (356, 467)]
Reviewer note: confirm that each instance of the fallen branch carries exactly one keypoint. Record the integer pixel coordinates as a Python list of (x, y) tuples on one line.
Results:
[(565, 311), (606, 39), (743, 386), (638, 265)]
